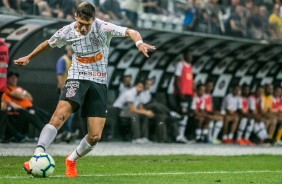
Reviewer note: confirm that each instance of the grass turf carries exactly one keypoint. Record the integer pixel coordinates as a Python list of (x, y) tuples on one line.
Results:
[(154, 170)]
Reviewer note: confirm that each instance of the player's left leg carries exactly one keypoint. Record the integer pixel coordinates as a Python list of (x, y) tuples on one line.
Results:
[(95, 129)]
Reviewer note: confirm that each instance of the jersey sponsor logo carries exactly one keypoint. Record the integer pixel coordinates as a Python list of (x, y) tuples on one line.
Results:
[(91, 59), (94, 74)]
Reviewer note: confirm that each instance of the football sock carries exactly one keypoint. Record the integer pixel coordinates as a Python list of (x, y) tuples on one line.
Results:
[(205, 133), (242, 127), (217, 128), (230, 136), (279, 135), (224, 137), (198, 133), (182, 126), (250, 128), (47, 135), (83, 148), (211, 127)]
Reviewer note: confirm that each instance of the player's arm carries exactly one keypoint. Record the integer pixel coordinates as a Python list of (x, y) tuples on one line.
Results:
[(44, 46), (136, 37), (139, 110)]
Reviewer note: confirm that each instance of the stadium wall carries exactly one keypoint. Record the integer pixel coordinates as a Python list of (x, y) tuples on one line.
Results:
[(223, 59)]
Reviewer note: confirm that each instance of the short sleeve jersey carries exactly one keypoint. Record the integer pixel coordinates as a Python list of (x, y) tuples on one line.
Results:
[(231, 103), (91, 51), (127, 97), (198, 103), (185, 74)]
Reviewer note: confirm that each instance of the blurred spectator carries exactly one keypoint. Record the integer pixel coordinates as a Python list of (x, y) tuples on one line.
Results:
[(162, 122), (44, 8), (129, 108), (275, 21), (56, 7), (267, 110), (126, 84), (199, 114), (10, 6), (236, 23), (151, 6), (230, 106), (184, 90), (190, 15), (4, 59), (113, 9), (131, 8), (213, 21)]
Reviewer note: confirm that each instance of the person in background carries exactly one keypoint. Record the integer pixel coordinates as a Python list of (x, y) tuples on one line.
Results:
[(254, 109), (10, 6), (200, 116), (276, 107), (4, 59), (129, 107), (126, 84), (215, 118), (184, 91), (267, 112), (131, 8), (231, 104), (247, 122)]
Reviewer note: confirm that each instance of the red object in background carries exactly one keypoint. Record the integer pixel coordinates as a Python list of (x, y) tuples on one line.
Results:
[(4, 58)]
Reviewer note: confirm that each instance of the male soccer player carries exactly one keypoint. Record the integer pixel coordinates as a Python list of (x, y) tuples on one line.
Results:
[(85, 87)]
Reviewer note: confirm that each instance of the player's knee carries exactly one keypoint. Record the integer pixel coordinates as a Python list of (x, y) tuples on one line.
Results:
[(94, 138)]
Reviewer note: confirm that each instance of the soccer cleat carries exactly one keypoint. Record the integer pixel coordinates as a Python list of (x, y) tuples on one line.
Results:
[(249, 142), (241, 142), (71, 171), (227, 141), (26, 167)]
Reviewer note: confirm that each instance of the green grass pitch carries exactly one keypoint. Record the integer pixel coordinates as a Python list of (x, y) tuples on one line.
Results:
[(154, 170)]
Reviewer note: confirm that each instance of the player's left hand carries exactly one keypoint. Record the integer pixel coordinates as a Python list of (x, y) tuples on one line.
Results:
[(144, 48)]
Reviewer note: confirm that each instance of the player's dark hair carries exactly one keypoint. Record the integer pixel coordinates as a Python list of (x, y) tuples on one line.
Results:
[(185, 51), (140, 82), (245, 85), (209, 80), (199, 85), (86, 11)]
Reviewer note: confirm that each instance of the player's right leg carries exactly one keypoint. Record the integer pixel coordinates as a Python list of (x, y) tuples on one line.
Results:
[(49, 132)]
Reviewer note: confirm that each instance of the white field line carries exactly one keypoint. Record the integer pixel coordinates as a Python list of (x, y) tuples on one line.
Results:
[(155, 174)]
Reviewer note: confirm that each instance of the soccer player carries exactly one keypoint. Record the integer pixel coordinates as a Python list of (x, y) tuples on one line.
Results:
[(86, 87), (215, 118), (4, 58), (198, 107), (267, 111), (184, 91), (230, 106), (247, 122)]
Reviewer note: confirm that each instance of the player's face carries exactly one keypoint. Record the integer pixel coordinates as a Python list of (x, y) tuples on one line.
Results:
[(127, 81), (12, 80), (149, 83), (268, 89), (201, 91), (83, 26), (139, 88), (236, 91), (245, 91), (277, 92), (209, 87)]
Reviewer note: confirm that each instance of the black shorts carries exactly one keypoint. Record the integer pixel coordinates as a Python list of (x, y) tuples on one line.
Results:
[(89, 95)]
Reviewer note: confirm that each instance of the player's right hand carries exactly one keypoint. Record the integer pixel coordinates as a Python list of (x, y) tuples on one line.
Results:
[(22, 61)]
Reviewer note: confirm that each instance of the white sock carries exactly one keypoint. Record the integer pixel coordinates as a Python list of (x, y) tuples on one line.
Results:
[(198, 133), (211, 127), (224, 137), (182, 126), (264, 131), (250, 128), (46, 137), (205, 133), (82, 149), (230, 136), (242, 127), (217, 129)]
